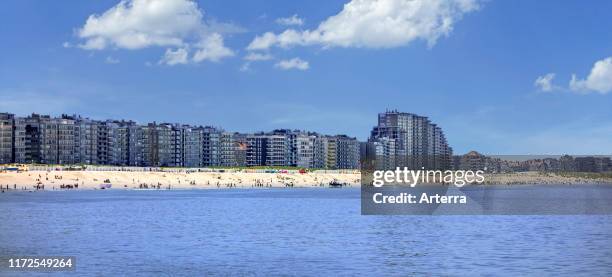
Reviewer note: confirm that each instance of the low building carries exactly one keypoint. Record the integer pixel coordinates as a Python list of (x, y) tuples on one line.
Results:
[(472, 161)]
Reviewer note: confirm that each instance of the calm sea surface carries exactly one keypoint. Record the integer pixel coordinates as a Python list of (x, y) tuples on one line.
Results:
[(289, 232)]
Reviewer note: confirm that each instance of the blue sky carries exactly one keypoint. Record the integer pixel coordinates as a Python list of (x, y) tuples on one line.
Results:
[(475, 79)]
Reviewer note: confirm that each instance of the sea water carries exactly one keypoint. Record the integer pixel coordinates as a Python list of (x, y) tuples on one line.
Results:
[(288, 232)]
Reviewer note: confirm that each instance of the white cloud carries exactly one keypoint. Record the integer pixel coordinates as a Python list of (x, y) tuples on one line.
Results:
[(376, 24), (258, 57), (142, 23), (295, 63), (178, 56), (599, 80), (111, 60), (290, 21), (212, 49), (544, 83), (137, 24), (96, 43), (264, 41)]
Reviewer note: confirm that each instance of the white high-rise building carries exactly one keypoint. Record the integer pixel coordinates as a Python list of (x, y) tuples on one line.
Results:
[(417, 143)]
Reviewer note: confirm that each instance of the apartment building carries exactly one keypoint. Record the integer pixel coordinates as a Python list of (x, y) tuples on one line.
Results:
[(7, 137), (417, 143), (192, 146), (78, 140)]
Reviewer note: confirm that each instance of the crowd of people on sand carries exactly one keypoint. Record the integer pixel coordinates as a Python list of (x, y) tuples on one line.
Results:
[(153, 186), (262, 183), (44, 179), (259, 183), (38, 186)]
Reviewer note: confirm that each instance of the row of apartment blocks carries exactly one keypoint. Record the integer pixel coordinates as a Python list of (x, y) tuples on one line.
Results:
[(77, 140)]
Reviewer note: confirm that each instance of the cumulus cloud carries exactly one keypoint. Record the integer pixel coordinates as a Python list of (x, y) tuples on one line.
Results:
[(142, 23), (376, 24), (176, 24), (599, 80), (262, 42), (544, 83), (295, 63), (290, 21), (212, 49), (174, 57)]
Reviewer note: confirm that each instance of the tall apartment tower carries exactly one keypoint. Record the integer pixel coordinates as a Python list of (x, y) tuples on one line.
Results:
[(417, 143)]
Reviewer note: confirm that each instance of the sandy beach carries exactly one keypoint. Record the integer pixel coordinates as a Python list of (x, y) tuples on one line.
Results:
[(50, 180), (173, 180)]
